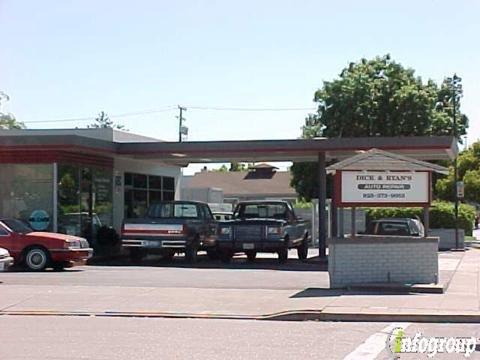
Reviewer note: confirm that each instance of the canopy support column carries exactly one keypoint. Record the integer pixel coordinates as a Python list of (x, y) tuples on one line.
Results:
[(322, 203)]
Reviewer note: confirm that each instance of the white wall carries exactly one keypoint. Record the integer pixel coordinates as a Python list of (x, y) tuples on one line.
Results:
[(123, 165)]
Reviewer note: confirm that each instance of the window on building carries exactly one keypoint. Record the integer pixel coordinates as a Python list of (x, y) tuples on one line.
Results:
[(26, 193), (142, 190)]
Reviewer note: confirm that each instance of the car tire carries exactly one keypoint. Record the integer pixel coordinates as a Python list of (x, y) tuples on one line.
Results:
[(58, 267), (225, 257), (37, 258), (191, 253), (283, 255), (137, 255), (302, 249), (251, 255)]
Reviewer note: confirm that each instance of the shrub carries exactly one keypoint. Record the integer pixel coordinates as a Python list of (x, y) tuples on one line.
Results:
[(442, 215)]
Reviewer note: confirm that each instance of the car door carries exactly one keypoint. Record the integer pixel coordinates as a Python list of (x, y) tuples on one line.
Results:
[(210, 224), (295, 228)]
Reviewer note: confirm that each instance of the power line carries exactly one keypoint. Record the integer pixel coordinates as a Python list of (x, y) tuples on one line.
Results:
[(144, 112), (217, 108), (172, 107)]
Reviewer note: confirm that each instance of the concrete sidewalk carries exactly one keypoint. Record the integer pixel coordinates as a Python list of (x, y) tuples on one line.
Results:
[(460, 303)]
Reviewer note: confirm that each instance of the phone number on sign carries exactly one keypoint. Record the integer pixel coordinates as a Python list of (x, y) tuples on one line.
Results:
[(383, 196)]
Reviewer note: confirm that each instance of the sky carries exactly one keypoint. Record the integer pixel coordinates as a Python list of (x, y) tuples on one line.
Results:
[(72, 59)]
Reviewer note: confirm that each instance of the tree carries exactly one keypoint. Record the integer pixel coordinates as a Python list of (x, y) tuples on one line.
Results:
[(377, 97), (103, 121), (7, 120), (468, 171), (235, 166)]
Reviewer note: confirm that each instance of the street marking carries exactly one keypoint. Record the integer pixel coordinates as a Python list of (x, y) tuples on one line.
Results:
[(375, 344)]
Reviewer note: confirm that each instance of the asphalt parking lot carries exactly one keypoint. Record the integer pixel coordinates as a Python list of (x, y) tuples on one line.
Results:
[(264, 273)]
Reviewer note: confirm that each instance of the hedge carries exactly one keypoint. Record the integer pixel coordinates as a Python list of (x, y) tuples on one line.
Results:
[(442, 215)]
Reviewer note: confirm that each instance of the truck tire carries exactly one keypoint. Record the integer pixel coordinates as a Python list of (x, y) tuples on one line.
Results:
[(168, 255), (212, 254), (137, 255), (283, 255), (302, 249), (251, 255), (191, 253), (225, 257)]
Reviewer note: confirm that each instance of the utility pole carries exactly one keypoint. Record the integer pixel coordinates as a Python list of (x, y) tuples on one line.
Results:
[(181, 130), (455, 86)]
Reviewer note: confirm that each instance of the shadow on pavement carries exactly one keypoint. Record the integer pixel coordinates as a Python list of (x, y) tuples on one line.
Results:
[(238, 262), (325, 292), (20, 269)]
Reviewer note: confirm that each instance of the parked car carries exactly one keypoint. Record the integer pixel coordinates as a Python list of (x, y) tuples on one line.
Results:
[(263, 226), (396, 227), (5, 259), (169, 228), (39, 250), (222, 215)]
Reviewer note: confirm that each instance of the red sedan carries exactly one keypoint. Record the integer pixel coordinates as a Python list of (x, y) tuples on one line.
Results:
[(39, 250)]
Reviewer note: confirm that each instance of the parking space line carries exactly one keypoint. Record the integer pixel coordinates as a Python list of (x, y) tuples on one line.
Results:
[(375, 344)]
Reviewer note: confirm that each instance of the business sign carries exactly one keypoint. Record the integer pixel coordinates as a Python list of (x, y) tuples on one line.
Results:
[(381, 188), (39, 220)]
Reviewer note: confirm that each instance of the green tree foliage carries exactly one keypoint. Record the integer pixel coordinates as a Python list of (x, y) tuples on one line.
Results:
[(235, 166), (7, 120), (468, 164), (103, 121), (377, 97)]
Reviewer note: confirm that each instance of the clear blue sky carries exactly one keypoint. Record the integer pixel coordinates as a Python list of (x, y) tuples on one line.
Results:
[(71, 59)]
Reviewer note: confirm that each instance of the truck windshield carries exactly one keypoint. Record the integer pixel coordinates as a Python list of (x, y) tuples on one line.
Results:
[(270, 211), (170, 210)]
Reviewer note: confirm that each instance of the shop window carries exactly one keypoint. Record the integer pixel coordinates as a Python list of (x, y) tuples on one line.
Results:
[(141, 191), (26, 193), (84, 200), (155, 182), (154, 197), (140, 181), (169, 183), (128, 179)]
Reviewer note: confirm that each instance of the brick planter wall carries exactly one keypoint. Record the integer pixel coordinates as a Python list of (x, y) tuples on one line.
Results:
[(382, 259), (447, 238)]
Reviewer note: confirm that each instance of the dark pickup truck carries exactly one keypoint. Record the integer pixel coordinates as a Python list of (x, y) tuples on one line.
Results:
[(171, 227), (263, 226)]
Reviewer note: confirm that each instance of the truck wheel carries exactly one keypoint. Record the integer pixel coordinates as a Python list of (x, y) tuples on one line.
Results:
[(251, 255), (136, 255), (37, 258), (168, 255), (283, 255), (191, 253), (225, 257), (302, 249), (212, 254)]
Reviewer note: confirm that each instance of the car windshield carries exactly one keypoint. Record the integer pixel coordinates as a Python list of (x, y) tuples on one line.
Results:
[(270, 211), (17, 226), (171, 210)]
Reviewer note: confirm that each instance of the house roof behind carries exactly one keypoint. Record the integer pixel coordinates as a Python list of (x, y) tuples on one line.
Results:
[(244, 183), (376, 159)]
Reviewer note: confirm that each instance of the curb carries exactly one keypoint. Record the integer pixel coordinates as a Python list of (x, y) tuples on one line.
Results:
[(300, 315), (400, 288)]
